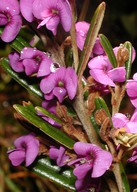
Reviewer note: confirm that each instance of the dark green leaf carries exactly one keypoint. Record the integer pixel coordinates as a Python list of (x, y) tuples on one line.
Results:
[(60, 175), (48, 114), (128, 63), (100, 103), (108, 49), (91, 37), (22, 79), (29, 113)]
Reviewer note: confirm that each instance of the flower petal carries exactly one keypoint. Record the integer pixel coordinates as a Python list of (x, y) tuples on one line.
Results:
[(80, 171), (117, 74), (17, 156), (119, 120), (26, 9), (14, 62), (12, 29)]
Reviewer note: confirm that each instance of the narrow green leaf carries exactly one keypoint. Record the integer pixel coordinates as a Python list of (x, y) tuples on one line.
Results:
[(48, 114), (108, 49), (29, 113), (91, 37), (100, 103), (62, 176), (128, 63), (19, 43), (22, 79), (126, 187)]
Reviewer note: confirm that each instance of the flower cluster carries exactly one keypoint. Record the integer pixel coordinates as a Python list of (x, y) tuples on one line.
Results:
[(75, 100)]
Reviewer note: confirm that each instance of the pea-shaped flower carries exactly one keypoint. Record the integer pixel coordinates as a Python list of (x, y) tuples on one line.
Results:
[(10, 19), (49, 13), (61, 83), (26, 150)]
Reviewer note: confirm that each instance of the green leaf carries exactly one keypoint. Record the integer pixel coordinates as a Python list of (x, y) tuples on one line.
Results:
[(100, 103), (29, 113), (62, 176), (48, 114), (126, 187), (108, 49), (91, 37), (22, 79), (128, 63)]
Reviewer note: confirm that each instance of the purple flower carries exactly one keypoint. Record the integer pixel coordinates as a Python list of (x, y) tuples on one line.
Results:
[(101, 70), (49, 13), (51, 107), (91, 159), (131, 88), (82, 28), (58, 155), (133, 158), (26, 150), (120, 120), (10, 19), (31, 61), (60, 84)]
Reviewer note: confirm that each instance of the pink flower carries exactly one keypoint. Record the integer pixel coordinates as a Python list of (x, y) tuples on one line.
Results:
[(82, 28), (92, 161), (26, 150), (31, 61), (101, 70), (58, 155), (131, 88), (120, 120), (49, 13), (10, 19), (60, 84)]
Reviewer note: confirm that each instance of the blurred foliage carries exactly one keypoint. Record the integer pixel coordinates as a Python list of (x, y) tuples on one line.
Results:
[(119, 25)]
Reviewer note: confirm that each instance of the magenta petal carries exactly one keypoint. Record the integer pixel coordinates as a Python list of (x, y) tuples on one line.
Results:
[(47, 84), (3, 19), (52, 24), (131, 88), (17, 156), (82, 28), (10, 6), (100, 168), (117, 74), (31, 66), (80, 171), (32, 151), (65, 14), (119, 120), (12, 29), (60, 93), (26, 9), (132, 127), (82, 148), (14, 62), (71, 82), (44, 68)]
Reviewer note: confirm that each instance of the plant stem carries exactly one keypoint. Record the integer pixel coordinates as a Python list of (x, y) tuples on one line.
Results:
[(81, 111), (118, 177), (73, 37)]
